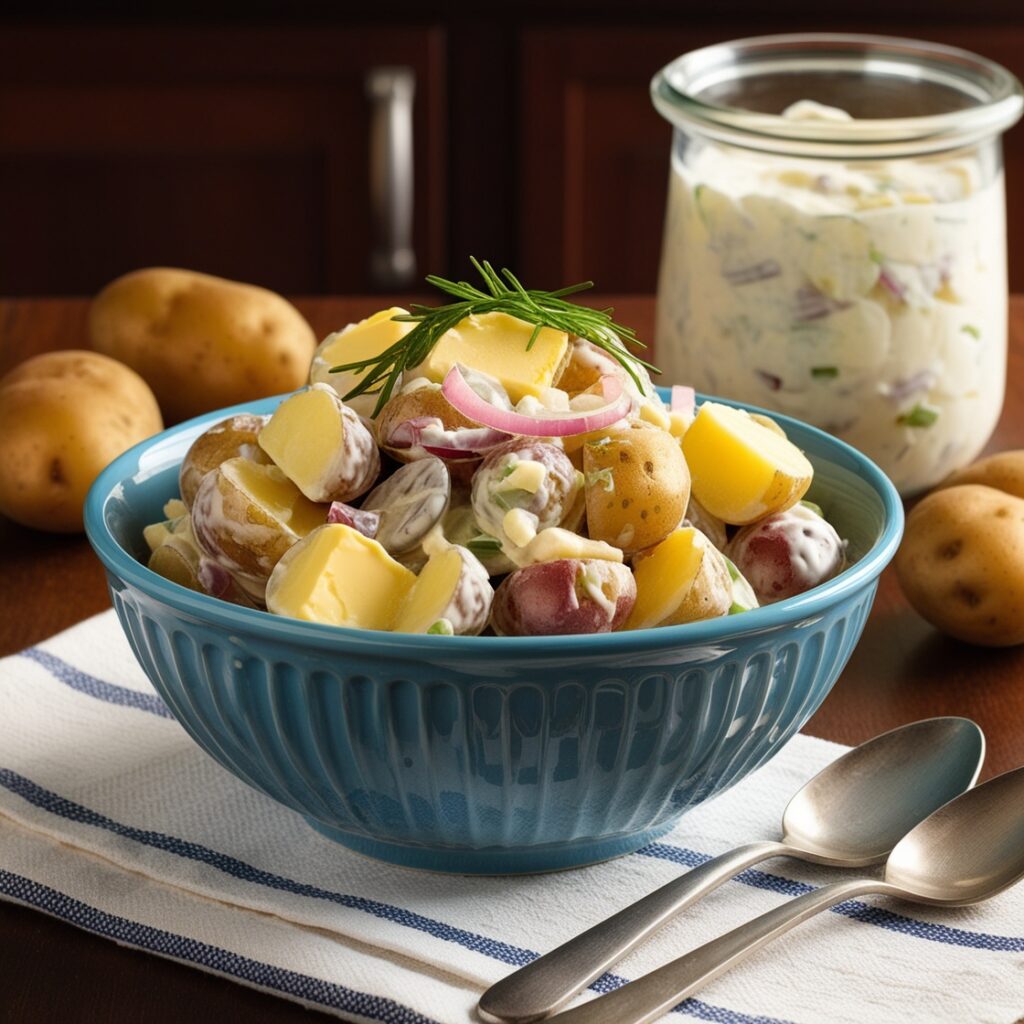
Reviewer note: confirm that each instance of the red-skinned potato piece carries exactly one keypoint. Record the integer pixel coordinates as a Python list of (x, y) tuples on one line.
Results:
[(569, 595), (787, 553)]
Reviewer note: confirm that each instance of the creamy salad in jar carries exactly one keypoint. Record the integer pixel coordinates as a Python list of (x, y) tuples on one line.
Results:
[(864, 294)]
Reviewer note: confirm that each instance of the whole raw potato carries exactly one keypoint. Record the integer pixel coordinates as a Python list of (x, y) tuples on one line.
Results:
[(1004, 471), (201, 342), (63, 417), (961, 563)]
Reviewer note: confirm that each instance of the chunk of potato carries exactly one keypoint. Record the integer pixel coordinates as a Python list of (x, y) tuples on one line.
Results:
[(201, 342), (637, 486), (321, 445), (451, 595), (337, 576), (741, 469), (364, 340), (235, 437), (246, 516), (961, 563), (63, 417), (664, 577)]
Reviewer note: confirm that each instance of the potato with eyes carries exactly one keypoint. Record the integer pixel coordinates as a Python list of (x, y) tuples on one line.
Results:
[(236, 436), (961, 563), (637, 486)]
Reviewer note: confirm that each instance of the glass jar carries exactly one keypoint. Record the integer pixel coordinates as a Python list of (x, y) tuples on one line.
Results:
[(835, 239)]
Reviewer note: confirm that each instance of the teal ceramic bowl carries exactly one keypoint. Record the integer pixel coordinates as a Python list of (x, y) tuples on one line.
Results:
[(489, 754)]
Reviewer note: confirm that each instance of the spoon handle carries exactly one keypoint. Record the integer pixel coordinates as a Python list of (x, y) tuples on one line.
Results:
[(657, 993), (541, 987)]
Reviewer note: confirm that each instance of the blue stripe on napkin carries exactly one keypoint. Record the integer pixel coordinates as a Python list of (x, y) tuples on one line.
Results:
[(496, 950), (857, 910), (223, 961), (93, 687)]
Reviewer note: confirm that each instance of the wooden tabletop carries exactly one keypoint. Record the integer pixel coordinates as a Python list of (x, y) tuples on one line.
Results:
[(902, 670)]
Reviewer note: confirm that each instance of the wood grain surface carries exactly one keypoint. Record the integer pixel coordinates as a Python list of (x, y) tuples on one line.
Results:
[(902, 670)]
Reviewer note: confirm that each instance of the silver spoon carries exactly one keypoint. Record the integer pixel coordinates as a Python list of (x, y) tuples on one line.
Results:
[(968, 850), (850, 814)]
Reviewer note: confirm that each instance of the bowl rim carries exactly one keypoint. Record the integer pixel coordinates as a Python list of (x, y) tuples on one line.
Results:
[(724, 629)]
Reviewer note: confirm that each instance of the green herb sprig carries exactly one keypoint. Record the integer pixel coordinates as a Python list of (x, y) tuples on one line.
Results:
[(504, 295)]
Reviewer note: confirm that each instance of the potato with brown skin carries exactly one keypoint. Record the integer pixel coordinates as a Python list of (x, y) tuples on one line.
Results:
[(1004, 471), (421, 403), (201, 342), (246, 516), (710, 596), (63, 417), (236, 436), (961, 563), (637, 485)]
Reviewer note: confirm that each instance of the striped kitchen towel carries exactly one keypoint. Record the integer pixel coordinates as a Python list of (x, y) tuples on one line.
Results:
[(194, 865)]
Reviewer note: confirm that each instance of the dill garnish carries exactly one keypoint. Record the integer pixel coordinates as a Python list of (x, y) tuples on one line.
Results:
[(504, 295)]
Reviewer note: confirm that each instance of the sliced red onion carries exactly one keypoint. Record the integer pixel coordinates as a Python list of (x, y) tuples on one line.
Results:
[(812, 304), (892, 284), (362, 520), (684, 399), (754, 272), (902, 389), (430, 434), (214, 578), (552, 424)]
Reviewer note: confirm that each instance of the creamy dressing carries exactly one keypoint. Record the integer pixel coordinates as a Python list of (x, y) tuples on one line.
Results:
[(866, 297)]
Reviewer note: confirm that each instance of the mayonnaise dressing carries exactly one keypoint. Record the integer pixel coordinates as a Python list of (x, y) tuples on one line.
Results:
[(868, 298)]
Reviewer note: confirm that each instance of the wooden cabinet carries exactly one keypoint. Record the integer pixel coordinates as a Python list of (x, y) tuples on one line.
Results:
[(594, 186), (242, 153), (246, 152)]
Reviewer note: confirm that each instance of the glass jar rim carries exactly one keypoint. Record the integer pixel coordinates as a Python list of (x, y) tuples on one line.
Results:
[(995, 95)]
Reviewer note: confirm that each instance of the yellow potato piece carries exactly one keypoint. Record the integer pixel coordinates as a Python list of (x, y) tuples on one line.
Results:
[(664, 577), (431, 594), (740, 469), (496, 343), (364, 340), (303, 436), (275, 495), (339, 577)]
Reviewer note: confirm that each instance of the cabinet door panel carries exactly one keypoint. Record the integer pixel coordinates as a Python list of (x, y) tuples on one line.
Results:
[(595, 163), (254, 166)]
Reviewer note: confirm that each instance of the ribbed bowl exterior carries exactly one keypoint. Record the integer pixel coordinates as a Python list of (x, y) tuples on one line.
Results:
[(479, 754)]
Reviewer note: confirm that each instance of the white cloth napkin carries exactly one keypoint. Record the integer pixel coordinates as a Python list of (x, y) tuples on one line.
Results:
[(112, 819)]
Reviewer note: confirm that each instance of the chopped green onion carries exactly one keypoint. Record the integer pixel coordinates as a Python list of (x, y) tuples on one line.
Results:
[(441, 628), (735, 608), (875, 255), (919, 416), (814, 507), (734, 573), (974, 332), (484, 544), (825, 372), (515, 498)]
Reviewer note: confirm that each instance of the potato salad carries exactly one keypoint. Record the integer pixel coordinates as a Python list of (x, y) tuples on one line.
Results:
[(868, 298), (518, 480)]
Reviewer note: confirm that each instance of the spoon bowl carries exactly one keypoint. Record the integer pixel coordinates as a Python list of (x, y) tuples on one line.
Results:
[(849, 815), (968, 850), (853, 812)]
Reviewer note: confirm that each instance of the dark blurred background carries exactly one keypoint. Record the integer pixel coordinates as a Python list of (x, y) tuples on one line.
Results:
[(273, 146)]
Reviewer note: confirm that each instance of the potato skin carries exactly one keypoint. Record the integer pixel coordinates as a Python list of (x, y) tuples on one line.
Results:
[(201, 342), (1004, 471), (649, 486), (63, 417), (961, 563)]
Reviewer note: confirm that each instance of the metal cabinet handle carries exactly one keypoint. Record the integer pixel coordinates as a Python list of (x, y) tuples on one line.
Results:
[(391, 91)]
